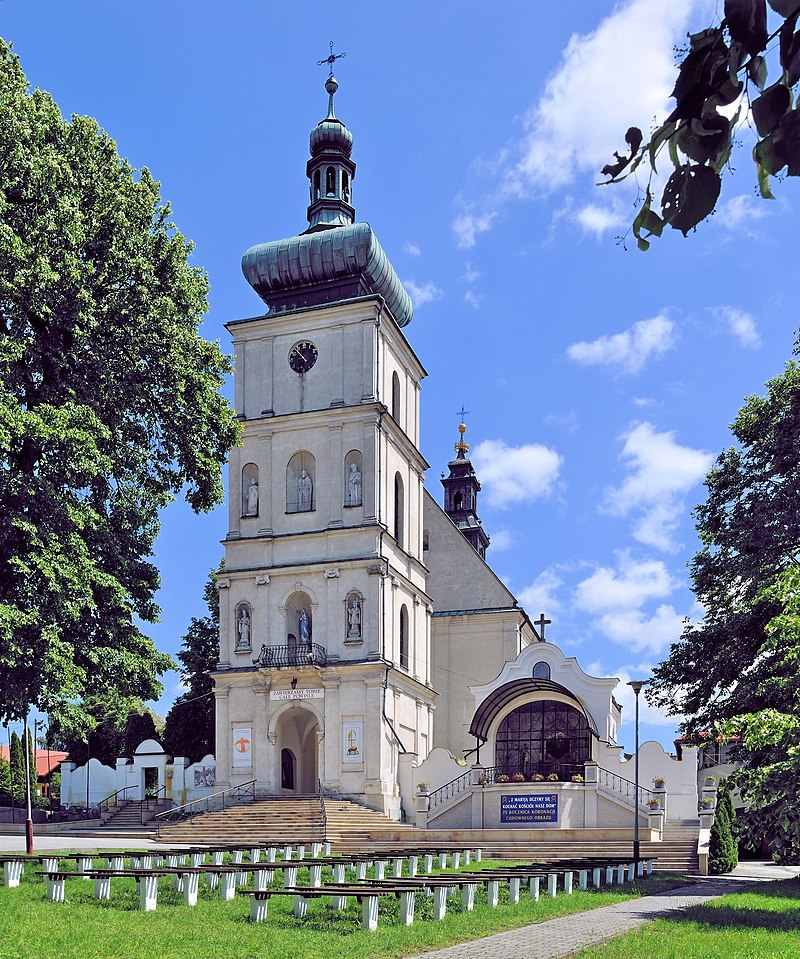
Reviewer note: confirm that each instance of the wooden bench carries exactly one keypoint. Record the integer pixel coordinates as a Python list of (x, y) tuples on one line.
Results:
[(367, 895)]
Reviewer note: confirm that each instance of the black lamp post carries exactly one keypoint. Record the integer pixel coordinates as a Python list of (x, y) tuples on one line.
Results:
[(28, 811), (636, 685)]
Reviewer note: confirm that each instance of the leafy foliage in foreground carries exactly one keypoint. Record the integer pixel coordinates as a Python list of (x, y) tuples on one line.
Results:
[(736, 674), (189, 729), (109, 406), (723, 65)]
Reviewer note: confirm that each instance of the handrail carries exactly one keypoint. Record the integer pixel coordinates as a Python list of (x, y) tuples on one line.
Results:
[(455, 786), (189, 810), (324, 813), (107, 801), (306, 654), (490, 775), (623, 787)]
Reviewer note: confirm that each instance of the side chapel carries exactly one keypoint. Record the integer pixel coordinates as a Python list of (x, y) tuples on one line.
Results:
[(361, 626)]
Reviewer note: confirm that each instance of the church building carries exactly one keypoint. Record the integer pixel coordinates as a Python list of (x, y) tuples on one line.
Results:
[(365, 642)]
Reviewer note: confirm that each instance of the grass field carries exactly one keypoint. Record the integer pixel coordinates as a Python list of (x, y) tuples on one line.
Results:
[(86, 928), (762, 923)]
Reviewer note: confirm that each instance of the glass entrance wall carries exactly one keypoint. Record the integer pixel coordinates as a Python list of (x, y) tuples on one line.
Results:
[(543, 738)]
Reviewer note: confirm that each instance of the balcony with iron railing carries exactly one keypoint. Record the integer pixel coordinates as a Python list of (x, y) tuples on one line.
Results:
[(291, 657)]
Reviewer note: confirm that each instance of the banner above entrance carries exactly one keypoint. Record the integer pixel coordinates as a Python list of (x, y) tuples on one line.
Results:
[(297, 694)]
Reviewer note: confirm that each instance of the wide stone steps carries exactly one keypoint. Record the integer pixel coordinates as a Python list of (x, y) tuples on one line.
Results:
[(279, 820)]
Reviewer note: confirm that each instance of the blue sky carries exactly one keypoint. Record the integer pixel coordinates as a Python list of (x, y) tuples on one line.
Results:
[(600, 381)]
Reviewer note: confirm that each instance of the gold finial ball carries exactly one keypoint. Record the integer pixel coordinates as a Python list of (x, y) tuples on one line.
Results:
[(462, 428)]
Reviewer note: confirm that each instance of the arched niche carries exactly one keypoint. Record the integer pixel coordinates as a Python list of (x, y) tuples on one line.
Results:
[(541, 670), (353, 478), (250, 490), (244, 628), (301, 476), (299, 620), (354, 617), (396, 397)]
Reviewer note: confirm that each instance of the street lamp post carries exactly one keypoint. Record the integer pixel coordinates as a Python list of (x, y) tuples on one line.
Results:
[(28, 811), (636, 685)]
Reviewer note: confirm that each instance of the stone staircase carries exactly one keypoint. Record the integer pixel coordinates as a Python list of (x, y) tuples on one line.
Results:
[(279, 819), (132, 816)]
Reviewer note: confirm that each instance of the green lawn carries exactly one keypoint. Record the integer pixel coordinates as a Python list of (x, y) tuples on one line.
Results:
[(762, 923), (85, 928)]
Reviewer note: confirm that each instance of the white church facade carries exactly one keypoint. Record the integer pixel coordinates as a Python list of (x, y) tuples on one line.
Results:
[(366, 646)]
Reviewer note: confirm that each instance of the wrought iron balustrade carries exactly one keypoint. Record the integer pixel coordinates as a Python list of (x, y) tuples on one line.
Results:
[(623, 787), (304, 654), (531, 772)]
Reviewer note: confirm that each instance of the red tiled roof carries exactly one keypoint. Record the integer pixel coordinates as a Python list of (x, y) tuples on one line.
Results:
[(46, 762)]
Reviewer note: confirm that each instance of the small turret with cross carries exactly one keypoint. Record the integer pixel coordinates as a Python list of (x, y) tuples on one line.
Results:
[(461, 490)]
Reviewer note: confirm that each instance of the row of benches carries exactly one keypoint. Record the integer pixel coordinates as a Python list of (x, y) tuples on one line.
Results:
[(366, 891)]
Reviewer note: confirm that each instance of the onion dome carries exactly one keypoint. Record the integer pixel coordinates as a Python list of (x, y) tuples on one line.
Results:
[(331, 134)]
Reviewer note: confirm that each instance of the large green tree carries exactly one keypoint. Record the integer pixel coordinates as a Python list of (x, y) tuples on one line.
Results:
[(189, 729), (110, 406), (736, 674), (750, 57)]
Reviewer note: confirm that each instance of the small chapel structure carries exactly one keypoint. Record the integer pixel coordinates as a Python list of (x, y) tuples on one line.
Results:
[(367, 649)]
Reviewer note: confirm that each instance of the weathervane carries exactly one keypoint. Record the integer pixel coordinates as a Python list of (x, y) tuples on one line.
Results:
[(331, 59)]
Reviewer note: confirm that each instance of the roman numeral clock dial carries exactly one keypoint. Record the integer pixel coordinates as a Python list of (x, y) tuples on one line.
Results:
[(302, 357)]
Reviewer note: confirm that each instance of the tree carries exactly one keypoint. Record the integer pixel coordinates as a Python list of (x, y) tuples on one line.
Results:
[(115, 727), (140, 726), (189, 729), (109, 406), (723, 851), (5, 782), (723, 64), (736, 674)]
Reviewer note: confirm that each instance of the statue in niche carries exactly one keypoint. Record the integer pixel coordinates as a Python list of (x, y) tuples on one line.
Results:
[(243, 629), (305, 627), (252, 499), (304, 491), (354, 486), (354, 619)]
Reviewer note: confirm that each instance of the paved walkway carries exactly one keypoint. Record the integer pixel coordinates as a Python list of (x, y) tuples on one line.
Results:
[(569, 934)]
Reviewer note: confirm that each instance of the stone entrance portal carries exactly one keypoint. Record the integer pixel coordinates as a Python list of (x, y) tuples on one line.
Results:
[(297, 752)]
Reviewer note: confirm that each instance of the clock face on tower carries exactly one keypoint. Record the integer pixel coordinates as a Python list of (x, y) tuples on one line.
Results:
[(302, 356)]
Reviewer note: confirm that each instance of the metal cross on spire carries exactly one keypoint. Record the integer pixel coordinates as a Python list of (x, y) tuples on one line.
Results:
[(463, 413), (331, 59), (541, 622)]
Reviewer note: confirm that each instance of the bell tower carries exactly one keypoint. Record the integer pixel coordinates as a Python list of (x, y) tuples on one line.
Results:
[(461, 490)]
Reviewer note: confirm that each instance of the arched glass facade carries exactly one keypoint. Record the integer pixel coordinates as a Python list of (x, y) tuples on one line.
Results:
[(543, 738)]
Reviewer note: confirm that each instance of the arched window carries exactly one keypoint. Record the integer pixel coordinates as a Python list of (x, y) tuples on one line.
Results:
[(541, 671), (396, 397), (287, 769), (316, 185), (330, 181), (403, 637), (345, 187), (301, 476), (353, 478), (542, 738), (250, 490), (457, 501), (399, 510), (426, 540)]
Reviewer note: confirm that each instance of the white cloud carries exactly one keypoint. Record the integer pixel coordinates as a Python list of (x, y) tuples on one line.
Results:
[(473, 299), (470, 274), (515, 474), (660, 473), (629, 350), (598, 219), (541, 594), (468, 226), (620, 74), (569, 421), (422, 294), (412, 249), (742, 325), (637, 631), (740, 212), (626, 588), (502, 539)]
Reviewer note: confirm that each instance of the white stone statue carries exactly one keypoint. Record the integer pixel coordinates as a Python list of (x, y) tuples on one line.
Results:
[(305, 627), (243, 629), (304, 491), (252, 499), (354, 486), (354, 619)]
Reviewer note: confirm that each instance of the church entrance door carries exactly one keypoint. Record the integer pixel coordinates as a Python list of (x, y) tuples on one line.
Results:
[(296, 753)]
